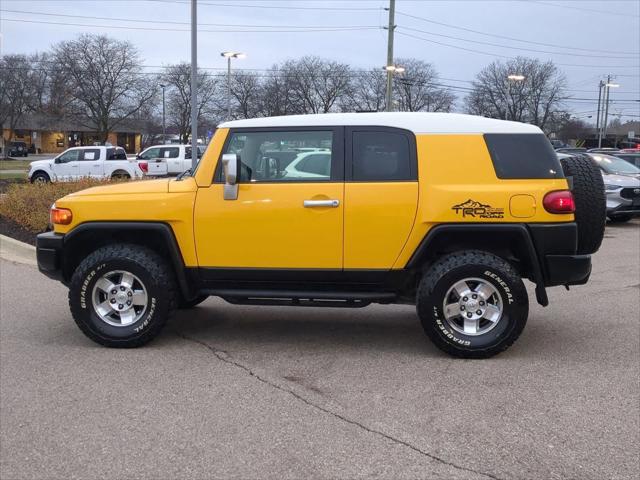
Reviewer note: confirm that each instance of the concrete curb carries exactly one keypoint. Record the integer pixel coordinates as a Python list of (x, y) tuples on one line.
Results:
[(16, 251)]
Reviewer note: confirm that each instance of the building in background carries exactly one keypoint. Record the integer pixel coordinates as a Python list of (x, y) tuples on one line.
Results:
[(44, 134)]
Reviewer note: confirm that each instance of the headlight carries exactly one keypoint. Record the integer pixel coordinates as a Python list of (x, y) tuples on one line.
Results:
[(611, 188)]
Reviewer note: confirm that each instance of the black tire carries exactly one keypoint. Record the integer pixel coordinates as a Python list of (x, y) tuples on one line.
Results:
[(620, 218), (184, 304), (469, 264), (590, 199), (153, 272), (120, 175), (40, 177)]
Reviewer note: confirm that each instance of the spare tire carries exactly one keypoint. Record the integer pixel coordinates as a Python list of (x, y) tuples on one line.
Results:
[(587, 187)]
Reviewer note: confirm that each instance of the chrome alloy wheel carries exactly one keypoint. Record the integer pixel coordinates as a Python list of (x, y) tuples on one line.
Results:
[(472, 306), (119, 298)]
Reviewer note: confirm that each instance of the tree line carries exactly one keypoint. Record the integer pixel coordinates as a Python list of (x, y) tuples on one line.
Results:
[(101, 83)]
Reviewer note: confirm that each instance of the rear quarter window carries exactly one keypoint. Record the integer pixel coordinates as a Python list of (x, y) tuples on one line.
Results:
[(523, 156)]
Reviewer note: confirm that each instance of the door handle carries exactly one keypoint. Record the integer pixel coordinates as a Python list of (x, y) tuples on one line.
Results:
[(321, 203)]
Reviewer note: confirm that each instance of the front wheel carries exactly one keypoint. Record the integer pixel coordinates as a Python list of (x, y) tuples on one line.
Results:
[(472, 304), (40, 177), (122, 295)]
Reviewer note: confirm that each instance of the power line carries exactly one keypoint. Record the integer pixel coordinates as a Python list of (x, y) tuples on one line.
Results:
[(509, 57), (86, 17), (504, 37), (274, 7), (512, 48), (592, 10), (123, 27)]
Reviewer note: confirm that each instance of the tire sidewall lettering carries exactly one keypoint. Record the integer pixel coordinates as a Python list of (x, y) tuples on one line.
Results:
[(508, 294)]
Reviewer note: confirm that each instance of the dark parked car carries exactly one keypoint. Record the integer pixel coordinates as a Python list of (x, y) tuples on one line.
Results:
[(17, 149)]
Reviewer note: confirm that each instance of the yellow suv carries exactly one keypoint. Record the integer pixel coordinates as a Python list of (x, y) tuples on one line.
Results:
[(445, 211)]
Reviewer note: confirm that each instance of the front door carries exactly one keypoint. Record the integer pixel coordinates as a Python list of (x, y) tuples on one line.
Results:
[(66, 165), (283, 218)]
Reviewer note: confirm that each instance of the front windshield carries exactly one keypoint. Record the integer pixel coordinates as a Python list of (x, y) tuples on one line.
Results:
[(615, 165)]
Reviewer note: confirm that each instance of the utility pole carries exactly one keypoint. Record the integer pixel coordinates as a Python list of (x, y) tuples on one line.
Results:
[(606, 111), (598, 110), (164, 128), (194, 84), (390, 72)]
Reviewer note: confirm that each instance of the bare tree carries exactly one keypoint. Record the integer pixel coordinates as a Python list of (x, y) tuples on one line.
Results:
[(15, 85), (106, 81), (316, 84), (178, 80), (366, 92), (246, 91), (536, 99), (276, 93), (418, 88)]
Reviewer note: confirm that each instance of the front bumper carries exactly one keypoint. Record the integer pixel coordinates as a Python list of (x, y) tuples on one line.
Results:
[(49, 254), (623, 202)]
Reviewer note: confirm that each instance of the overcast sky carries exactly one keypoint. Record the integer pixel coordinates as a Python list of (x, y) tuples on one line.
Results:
[(587, 39)]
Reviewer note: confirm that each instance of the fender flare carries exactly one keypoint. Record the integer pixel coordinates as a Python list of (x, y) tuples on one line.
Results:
[(161, 229), (519, 231)]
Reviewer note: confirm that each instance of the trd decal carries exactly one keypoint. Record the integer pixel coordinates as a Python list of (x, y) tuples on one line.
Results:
[(471, 208)]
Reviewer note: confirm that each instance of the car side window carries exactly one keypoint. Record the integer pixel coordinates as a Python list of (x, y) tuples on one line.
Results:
[(379, 156), (281, 156), (120, 154), (88, 155), (69, 156), (169, 152), (150, 154)]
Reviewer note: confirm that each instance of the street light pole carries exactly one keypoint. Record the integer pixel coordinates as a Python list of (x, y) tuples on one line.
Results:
[(515, 78), (391, 28), (164, 128), (229, 56), (608, 86), (600, 84), (228, 88), (194, 84)]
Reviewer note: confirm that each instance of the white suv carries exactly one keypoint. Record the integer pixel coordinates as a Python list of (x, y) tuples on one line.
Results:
[(101, 162)]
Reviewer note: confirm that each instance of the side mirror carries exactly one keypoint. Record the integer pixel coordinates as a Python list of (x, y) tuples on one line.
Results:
[(230, 166), (57, 160)]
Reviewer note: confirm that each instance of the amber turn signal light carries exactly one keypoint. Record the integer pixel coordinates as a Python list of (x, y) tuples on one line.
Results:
[(61, 216)]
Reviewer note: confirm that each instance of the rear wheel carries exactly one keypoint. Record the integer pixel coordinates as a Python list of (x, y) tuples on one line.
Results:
[(472, 304), (120, 175), (122, 295), (590, 199)]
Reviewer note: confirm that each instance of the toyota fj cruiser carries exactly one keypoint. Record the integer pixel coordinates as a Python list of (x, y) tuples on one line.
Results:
[(448, 212)]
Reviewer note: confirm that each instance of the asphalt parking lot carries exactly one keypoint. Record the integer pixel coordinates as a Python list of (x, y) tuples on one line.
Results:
[(268, 392)]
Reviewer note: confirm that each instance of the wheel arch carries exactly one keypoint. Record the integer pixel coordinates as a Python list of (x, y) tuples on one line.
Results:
[(512, 242), (158, 236), (41, 170)]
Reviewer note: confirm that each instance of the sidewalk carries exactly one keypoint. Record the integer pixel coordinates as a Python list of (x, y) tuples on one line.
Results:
[(16, 251)]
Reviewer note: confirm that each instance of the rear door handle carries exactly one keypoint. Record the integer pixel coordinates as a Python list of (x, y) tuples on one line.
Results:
[(321, 203)]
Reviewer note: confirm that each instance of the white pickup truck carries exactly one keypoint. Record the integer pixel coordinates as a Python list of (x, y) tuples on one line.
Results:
[(167, 159), (81, 162)]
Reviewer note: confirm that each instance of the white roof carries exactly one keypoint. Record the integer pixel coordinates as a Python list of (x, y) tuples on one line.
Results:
[(417, 122)]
